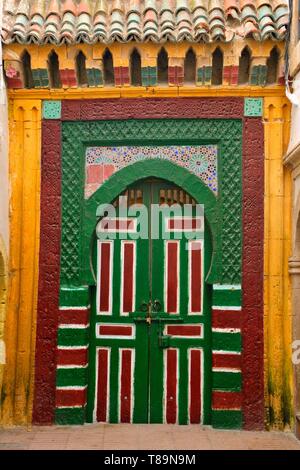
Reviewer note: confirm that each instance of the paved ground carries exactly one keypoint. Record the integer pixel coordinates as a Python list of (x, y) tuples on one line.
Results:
[(139, 436)]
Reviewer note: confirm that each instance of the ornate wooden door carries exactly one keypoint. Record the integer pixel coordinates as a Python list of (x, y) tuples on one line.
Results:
[(150, 355)]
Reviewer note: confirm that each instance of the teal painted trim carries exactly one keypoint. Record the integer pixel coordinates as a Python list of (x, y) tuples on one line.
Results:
[(253, 107), (74, 296), (204, 75), (226, 341), (231, 381), (71, 377), (149, 76), (69, 416), (94, 77), (258, 75), (227, 298), (40, 78), (72, 336), (226, 419)]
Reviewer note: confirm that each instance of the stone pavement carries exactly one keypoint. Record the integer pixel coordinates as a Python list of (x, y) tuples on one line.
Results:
[(142, 436)]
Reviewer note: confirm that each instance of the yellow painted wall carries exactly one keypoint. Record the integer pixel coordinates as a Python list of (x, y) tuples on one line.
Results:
[(277, 285), (3, 292), (25, 135), (24, 214)]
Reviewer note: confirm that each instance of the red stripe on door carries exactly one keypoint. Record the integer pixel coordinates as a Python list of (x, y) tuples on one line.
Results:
[(184, 330), (172, 276), (104, 284), (74, 357), (117, 225), (226, 319), (128, 276), (73, 316), (70, 397), (171, 386), (102, 385), (125, 414), (185, 224), (226, 400), (196, 277), (115, 330), (227, 360), (195, 386)]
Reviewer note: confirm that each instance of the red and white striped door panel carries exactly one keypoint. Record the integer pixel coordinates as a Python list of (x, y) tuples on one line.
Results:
[(105, 277), (172, 268), (172, 272), (111, 375), (195, 273), (183, 378)]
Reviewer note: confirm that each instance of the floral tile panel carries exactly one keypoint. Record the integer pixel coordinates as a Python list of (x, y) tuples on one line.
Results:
[(102, 162)]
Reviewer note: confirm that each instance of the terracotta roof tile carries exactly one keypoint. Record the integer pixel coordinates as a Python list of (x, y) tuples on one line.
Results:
[(90, 21)]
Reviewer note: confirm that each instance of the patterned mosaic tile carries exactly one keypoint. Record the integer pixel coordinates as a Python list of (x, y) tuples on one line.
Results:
[(102, 162)]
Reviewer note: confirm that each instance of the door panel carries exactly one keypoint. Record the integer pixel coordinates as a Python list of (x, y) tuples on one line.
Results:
[(150, 355)]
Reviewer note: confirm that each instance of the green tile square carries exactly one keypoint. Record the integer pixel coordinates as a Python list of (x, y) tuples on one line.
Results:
[(253, 107), (52, 109)]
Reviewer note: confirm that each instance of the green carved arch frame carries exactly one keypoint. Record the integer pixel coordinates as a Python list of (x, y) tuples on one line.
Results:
[(79, 215), (158, 168)]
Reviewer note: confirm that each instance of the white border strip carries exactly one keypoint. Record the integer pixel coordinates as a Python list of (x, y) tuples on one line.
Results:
[(201, 384), (232, 287), (226, 369), (120, 337), (165, 379), (107, 384), (190, 276), (99, 243), (73, 326), (123, 243), (132, 358), (75, 308), (226, 330), (234, 308), (226, 352), (72, 387), (71, 366), (166, 265)]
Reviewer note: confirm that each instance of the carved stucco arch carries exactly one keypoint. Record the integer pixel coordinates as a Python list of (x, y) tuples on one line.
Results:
[(157, 168)]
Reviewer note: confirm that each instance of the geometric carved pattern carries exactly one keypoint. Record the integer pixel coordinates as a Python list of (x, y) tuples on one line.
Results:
[(253, 107), (51, 109), (226, 133)]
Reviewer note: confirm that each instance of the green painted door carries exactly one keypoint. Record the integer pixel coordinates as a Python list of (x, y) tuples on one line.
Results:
[(150, 353)]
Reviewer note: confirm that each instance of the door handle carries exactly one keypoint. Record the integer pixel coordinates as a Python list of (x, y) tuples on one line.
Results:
[(144, 307), (156, 306)]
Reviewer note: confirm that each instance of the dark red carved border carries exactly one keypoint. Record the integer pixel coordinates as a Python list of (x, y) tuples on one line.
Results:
[(252, 274), (49, 271), (152, 108), (253, 236)]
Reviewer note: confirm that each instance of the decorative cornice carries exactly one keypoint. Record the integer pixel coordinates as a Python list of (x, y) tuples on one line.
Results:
[(155, 92), (294, 266)]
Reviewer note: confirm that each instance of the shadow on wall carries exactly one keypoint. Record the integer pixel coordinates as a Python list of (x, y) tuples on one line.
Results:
[(3, 287)]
